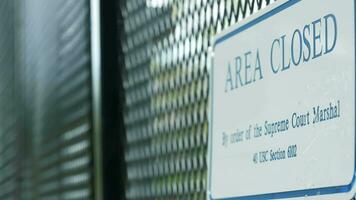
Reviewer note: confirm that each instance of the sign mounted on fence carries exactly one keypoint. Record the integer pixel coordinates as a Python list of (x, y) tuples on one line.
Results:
[(282, 121)]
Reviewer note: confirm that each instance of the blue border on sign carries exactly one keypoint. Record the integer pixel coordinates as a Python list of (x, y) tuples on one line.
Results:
[(287, 194)]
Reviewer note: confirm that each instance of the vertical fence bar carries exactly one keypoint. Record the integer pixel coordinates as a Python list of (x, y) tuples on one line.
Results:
[(96, 87)]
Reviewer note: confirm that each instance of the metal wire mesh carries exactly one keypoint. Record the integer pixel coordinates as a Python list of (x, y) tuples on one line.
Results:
[(166, 81), (9, 131), (45, 100)]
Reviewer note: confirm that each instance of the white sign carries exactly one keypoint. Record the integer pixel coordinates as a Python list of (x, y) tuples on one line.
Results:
[(282, 121)]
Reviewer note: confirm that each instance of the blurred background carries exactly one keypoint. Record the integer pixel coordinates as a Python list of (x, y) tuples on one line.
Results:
[(107, 99)]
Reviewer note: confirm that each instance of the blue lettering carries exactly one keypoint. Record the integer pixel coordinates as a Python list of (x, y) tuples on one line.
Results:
[(238, 70), (306, 42), (275, 70), (258, 67), (333, 18), (296, 32), (285, 67), (316, 38), (247, 67), (228, 79)]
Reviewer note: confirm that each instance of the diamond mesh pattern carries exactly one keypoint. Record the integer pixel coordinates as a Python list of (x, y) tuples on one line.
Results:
[(166, 82), (45, 100)]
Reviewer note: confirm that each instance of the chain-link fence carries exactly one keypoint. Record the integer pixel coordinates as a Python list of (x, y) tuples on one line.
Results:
[(166, 80), (45, 100)]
